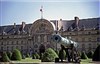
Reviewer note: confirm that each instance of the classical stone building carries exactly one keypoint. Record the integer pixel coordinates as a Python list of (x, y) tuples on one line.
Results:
[(36, 37)]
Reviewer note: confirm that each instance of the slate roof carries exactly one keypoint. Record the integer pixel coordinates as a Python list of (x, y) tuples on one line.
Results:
[(86, 23), (90, 23)]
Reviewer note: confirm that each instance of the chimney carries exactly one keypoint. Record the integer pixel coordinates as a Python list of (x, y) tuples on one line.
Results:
[(76, 20), (23, 25), (14, 25)]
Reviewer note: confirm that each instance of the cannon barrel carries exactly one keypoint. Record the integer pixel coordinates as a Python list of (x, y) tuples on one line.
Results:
[(58, 39)]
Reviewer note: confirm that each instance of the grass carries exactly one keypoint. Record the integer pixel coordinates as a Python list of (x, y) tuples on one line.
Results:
[(87, 61), (28, 60)]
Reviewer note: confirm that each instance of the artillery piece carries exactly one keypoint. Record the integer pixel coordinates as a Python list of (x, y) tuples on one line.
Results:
[(59, 39), (71, 45)]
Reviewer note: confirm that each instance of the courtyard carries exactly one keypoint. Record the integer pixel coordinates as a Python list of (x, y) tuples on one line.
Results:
[(37, 61)]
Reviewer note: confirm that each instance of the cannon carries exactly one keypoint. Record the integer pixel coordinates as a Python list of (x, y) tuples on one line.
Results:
[(59, 39), (71, 49)]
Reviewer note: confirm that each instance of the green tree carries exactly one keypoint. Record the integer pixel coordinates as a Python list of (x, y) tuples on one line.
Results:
[(49, 55), (41, 56), (9, 54), (23, 56), (16, 55), (62, 55), (83, 55), (57, 52), (90, 54), (27, 55), (5, 58), (96, 55), (35, 56)]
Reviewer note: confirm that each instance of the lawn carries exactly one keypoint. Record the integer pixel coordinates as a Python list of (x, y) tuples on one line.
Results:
[(30, 60), (88, 61), (27, 60)]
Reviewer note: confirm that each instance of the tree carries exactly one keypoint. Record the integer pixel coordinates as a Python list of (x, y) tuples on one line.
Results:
[(5, 58), (41, 55), (27, 55), (62, 55), (90, 54), (36, 56), (33, 56), (16, 55), (83, 55), (23, 56), (57, 52), (9, 54), (49, 55), (96, 55)]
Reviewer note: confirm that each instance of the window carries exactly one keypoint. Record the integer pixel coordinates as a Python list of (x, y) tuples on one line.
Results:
[(89, 33), (12, 43), (36, 38), (35, 46), (98, 32), (1, 48), (70, 33), (1, 43), (83, 47), (12, 47), (48, 45), (7, 48), (7, 42), (89, 39), (48, 38), (76, 39), (83, 39), (21, 42), (89, 46), (21, 47), (42, 38), (17, 47), (98, 39), (17, 42)]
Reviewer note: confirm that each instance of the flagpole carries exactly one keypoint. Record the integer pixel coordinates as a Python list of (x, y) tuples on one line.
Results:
[(41, 12), (42, 15)]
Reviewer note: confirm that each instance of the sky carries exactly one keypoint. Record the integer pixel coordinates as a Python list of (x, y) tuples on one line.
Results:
[(18, 11)]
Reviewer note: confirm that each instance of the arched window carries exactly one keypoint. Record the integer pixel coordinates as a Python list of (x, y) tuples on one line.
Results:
[(42, 38), (35, 46)]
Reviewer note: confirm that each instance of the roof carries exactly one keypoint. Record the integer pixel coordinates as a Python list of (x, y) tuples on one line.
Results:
[(89, 23), (86, 23)]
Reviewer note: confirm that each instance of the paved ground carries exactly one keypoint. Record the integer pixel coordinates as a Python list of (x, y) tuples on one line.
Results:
[(68, 63), (47, 63), (57, 63)]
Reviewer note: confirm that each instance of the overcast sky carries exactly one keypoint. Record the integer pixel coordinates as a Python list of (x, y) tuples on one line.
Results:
[(16, 11)]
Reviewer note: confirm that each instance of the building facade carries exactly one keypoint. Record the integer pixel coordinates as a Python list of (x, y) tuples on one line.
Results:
[(36, 37)]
